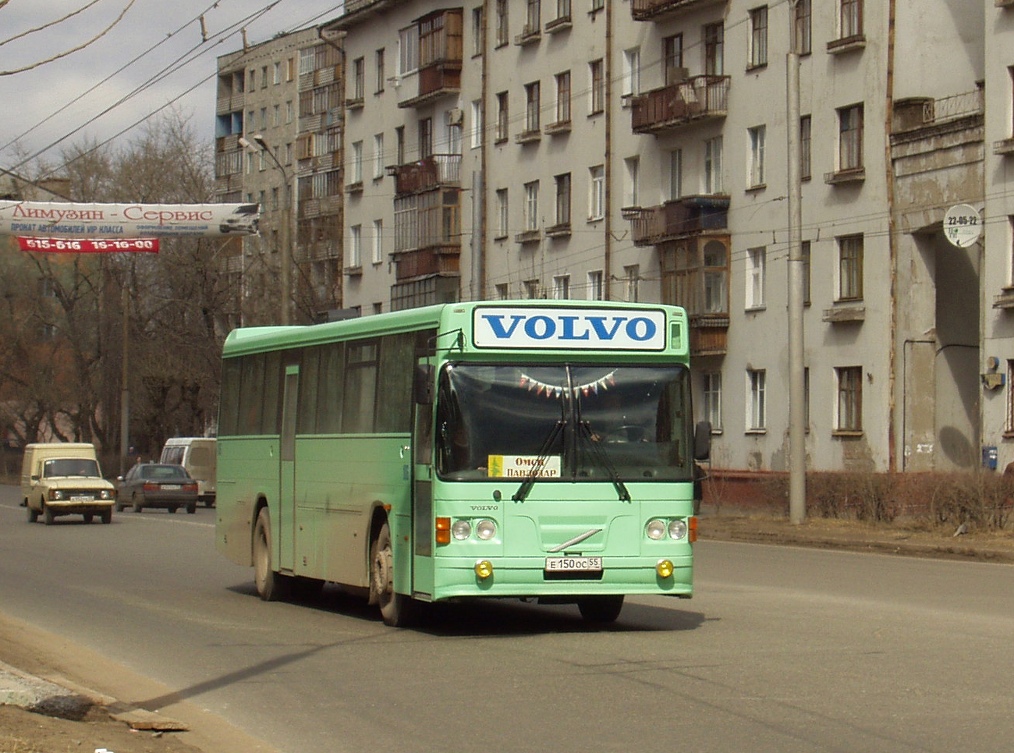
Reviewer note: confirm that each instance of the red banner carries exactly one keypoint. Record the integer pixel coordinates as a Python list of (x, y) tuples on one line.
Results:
[(89, 245)]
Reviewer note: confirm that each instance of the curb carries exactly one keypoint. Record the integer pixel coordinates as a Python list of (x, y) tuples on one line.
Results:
[(34, 694)]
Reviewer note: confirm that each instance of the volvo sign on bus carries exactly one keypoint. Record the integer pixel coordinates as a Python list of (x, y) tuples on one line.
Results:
[(539, 328)]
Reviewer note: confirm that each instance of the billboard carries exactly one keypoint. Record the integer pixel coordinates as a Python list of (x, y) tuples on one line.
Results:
[(119, 222)]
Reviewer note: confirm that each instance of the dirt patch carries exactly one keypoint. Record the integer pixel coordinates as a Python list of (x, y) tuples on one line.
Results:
[(23, 731)]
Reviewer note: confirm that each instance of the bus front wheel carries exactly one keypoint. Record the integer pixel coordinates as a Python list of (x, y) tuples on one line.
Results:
[(270, 585), (396, 609), (600, 609)]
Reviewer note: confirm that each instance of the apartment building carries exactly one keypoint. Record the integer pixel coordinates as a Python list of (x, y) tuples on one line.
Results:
[(637, 150), (278, 143)]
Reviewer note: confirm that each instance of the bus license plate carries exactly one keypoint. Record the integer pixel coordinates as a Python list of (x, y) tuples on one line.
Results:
[(573, 564)]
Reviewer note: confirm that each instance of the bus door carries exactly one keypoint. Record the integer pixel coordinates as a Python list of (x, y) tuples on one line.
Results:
[(422, 479), (286, 524)]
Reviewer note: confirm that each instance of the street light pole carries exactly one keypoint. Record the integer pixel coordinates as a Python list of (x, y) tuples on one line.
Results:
[(289, 241)]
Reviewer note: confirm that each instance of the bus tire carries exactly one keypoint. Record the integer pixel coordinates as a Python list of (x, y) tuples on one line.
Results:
[(397, 610), (600, 609), (271, 586)]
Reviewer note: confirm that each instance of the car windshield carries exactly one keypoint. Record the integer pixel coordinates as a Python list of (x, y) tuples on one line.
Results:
[(623, 423), (70, 467)]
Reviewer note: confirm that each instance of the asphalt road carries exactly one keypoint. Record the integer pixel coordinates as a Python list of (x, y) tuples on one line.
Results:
[(783, 650)]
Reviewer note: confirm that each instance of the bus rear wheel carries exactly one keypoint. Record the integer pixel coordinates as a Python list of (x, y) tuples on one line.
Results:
[(271, 586), (600, 609), (397, 610)]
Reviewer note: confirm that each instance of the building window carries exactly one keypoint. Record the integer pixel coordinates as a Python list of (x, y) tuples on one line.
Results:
[(802, 28), (502, 117), (478, 36), (425, 138), (756, 137), (563, 97), (850, 19), (672, 53), (378, 241), (533, 17), (399, 141), (531, 218), (632, 279), (632, 169), (357, 162), (850, 268), (561, 287), (358, 79), (714, 49), (757, 418), (756, 260), (805, 145), (716, 272), (264, 77), (758, 37), (531, 289), (502, 27), (276, 78), (502, 219), (476, 129), (532, 107), (850, 137), (675, 174), (378, 156), (562, 10), (563, 199), (597, 193), (805, 252), (408, 44), (712, 394), (379, 65), (356, 246), (597, 5), (1009, 426), (596, 288), (849, 416), (598, 86), (713, 182), (631, 72), (503, 291)]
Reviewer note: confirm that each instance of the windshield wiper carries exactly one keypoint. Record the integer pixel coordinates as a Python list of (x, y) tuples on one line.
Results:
[(585, 432), (540, 461)]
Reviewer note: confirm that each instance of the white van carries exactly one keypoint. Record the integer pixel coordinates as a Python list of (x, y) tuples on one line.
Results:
[(198, 456), (64, 478)]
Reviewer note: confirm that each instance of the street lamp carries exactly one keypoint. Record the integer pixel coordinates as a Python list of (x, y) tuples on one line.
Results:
[(260, 144)]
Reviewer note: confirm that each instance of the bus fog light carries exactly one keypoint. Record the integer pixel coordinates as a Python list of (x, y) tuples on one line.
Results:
[(484, 569), (655, 529), (677, 529), (485, 529), (664, 568), (461, 529)]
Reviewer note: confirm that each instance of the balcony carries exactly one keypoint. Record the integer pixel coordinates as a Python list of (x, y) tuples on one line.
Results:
[(423, 262), (435, 171), (678, 218), (695, 99), (709, 334), (659, 10), (440, 79)]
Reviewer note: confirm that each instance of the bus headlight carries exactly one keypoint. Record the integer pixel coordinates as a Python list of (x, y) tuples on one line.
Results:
[(485, 529), (461, 530), (677, 530), (655, 529)]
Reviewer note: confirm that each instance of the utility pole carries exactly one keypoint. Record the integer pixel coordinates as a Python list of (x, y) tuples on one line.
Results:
[(797, 387)]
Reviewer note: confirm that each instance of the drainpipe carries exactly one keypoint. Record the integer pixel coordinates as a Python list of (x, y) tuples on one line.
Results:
[(607, 261), (892, 455), (480, 255)]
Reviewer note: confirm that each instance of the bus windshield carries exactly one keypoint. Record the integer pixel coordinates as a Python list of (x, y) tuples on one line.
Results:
[(564, 422)]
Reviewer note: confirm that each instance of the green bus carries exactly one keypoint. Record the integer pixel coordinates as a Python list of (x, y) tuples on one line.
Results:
[(526, 449)]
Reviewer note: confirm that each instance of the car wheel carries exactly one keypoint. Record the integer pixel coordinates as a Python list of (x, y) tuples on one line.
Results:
[(47, 515), (191, 509), (397, 610), (33, 515), (88, 517), (600, 609), (172, 509), (107, 516), (137, 505), (271, 586)]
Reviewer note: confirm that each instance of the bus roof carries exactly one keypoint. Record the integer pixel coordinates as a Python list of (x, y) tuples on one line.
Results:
[(460, 317)]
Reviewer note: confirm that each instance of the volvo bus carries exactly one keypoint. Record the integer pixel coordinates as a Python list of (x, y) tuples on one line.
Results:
[(511, 449)]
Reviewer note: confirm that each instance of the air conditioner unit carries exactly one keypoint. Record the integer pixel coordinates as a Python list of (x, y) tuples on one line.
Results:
[(455, 117)]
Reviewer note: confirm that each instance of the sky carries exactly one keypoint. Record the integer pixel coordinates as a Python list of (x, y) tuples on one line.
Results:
[(155, 55)]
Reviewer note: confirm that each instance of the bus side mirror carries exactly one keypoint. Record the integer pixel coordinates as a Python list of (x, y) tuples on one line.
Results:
[(423, 387), (702, 440)]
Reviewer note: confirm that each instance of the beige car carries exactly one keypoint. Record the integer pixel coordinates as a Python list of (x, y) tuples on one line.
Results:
[(64, 478)]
